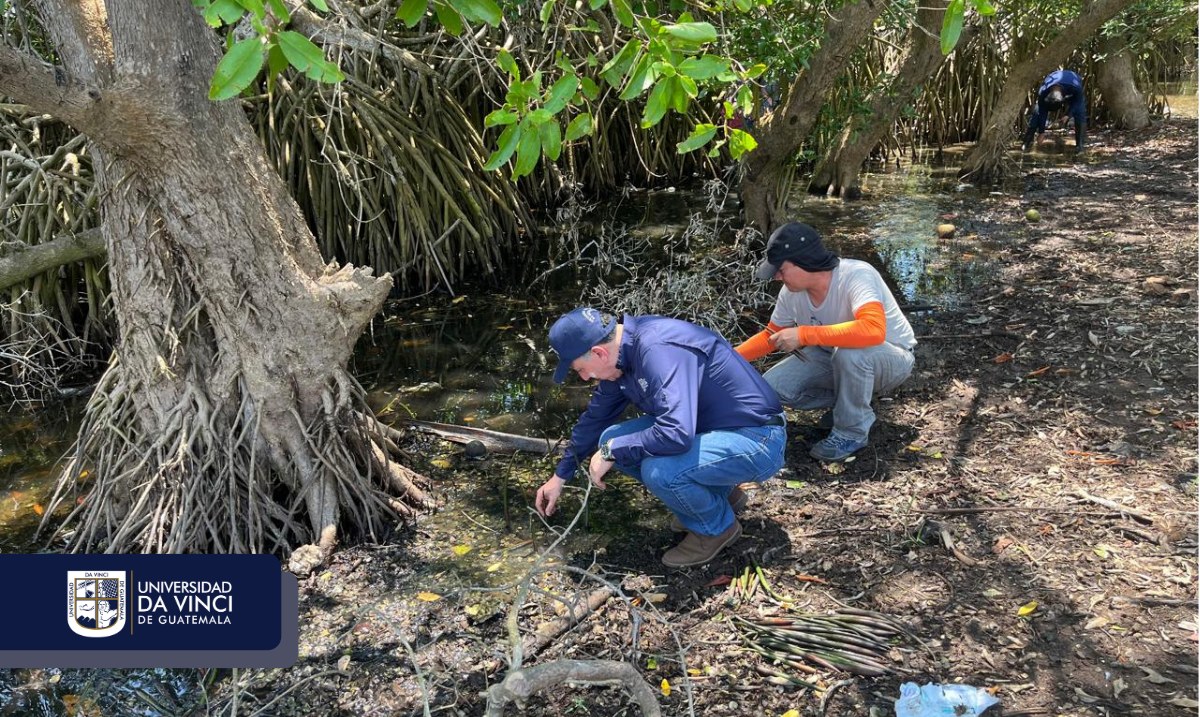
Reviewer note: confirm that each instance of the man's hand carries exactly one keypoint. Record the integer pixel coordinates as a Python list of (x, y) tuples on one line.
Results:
[(596, 470), (547, 496), (786, 340)]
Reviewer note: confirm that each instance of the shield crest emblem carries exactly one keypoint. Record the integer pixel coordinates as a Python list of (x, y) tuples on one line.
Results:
[(96, 602)]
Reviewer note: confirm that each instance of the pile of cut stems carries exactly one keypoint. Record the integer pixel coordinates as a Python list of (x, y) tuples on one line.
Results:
[(849, 640)]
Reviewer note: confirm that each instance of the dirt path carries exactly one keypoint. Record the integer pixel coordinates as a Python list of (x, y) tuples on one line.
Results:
[(1069, 381)]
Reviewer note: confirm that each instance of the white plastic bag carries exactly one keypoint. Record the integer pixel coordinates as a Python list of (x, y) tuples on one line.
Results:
[(942, 701)]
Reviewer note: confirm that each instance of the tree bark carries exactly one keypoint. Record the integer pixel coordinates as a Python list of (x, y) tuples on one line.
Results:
[(986, 162), (838, 172), (1125, 104), (780, 134), (228, 403)]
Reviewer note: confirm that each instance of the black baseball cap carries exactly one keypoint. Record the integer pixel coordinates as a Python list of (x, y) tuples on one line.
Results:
[(800, 244)]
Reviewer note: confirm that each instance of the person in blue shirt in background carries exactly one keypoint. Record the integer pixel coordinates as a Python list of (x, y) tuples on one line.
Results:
[(1061, 87), (711, 421)]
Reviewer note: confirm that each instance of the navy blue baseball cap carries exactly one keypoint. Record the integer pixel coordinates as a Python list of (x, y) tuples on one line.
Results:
[(574, 334), (800, 244)]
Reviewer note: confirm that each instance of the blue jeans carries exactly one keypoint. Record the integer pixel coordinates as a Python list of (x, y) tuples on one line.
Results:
[(695, 484)]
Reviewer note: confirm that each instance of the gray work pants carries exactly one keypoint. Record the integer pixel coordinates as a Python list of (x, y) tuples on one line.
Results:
[(841, 378)]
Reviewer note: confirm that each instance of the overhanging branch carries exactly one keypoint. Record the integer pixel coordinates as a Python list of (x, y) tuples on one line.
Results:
[(46, 88), (29, 261), (342, 35)]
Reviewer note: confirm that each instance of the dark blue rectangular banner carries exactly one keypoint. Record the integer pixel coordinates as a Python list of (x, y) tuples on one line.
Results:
[(147, 611)]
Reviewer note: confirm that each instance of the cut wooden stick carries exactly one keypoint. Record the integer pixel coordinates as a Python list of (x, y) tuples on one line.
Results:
[(1131, 512)]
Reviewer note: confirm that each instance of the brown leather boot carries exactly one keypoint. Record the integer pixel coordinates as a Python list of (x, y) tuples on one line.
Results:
[(738, 499), (696, 549)]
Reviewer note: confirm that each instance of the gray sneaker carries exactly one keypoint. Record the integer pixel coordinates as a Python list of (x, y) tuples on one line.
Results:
[(836, 448)]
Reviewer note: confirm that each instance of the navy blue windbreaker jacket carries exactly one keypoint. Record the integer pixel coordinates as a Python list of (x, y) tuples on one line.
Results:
[(686, 376)]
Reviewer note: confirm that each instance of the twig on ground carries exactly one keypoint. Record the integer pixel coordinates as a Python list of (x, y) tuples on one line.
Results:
[(1131, 512)]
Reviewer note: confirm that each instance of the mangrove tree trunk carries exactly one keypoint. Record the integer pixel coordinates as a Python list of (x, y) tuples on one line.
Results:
[(838, 172), (226, 420), (781, 133)]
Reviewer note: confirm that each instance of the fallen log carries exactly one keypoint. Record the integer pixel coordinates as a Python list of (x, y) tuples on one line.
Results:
[(493, 441)]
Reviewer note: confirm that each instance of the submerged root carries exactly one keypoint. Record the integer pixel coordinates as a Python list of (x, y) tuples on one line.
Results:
[(208, 479)]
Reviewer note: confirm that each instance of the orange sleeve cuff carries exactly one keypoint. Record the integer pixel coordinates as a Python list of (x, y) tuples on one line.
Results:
[(869, 328), (758, 345)]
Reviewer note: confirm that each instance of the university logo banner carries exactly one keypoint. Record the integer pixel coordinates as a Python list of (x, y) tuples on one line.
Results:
[(148, 611)]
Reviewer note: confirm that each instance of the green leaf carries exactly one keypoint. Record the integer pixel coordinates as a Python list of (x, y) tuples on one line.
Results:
[(237, 69), (596, 4), (538, 117), (745, 100), (529, 150), (983, 7), (643, 77), (319, 4), (580, 126), (622, 11), (756, 71), (701, 135), (697, 32), (449, 18), (679, 96), (299, 50), (704, 67), (952, 25), (716, 148), (307, 57), (280, 10), (508, 64), (740, 143), (223, 12), (501, 116), (656, 104), (588, 88), (520, 93), (411, 12), (276, 61), (547, 11), (743, 5), (479, 10), (688, 85), (551, 140), (506, 144), (561, 93), (614, 70), (254, 7)]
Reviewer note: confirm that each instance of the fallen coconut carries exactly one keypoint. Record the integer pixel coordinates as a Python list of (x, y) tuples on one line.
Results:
[(945, 231)]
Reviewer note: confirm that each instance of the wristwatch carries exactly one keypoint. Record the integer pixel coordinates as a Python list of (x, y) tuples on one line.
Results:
[(606, 451)]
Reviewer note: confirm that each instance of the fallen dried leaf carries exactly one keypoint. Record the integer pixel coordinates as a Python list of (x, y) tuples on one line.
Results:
[(1001, 544), (665, 687), (1037, 372), (1027, 608), (719, 580), (428, 596), (1003, 358)]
